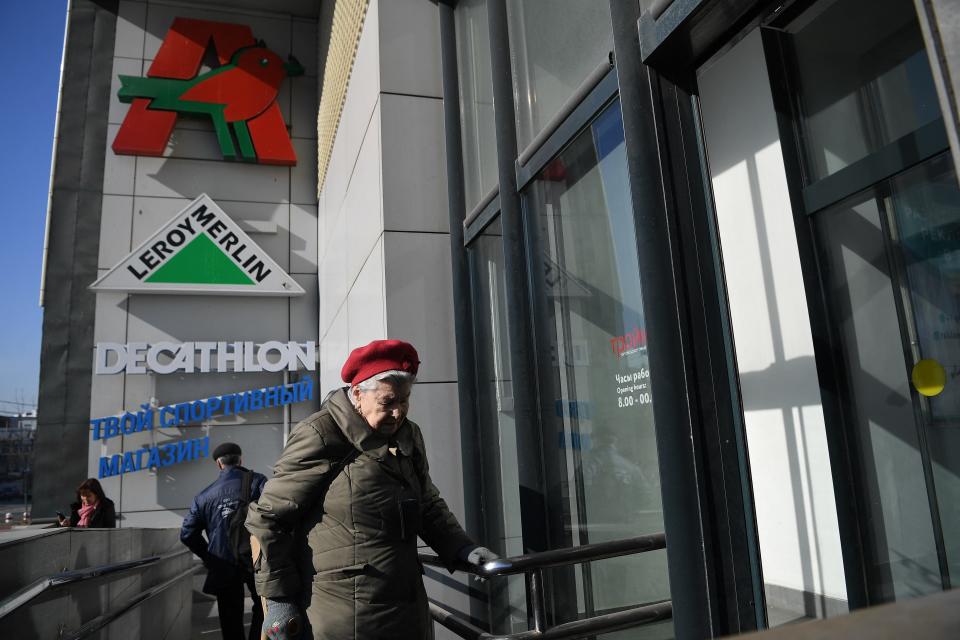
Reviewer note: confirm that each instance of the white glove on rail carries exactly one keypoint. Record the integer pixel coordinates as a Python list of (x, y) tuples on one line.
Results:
[(480, 556)]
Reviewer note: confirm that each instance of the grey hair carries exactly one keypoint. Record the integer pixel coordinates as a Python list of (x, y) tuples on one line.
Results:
[(394, 376), (231, 460)]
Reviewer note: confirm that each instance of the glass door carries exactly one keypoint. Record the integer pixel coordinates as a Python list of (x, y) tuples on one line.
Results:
[(598, 449), (879, 196), (892, 277)]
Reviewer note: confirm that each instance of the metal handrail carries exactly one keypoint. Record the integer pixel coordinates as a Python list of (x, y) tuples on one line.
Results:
[(19, 598), (103, 620), (605, 623), (532, 566), (559, 557)]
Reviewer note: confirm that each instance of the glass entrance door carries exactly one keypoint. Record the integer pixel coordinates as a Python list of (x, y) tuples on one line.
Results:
[(880, 195), (890, 264)]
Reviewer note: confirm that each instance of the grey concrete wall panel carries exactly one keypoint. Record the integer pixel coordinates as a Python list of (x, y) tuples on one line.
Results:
[(303, 107), (106, 394), (119, 171), (303, 45), (362, 211), (940, 21), (221, 180), (155, 318), (74, 224), (153, 518), (333, 352), (419, 300), (414, 164), (130, 23), (366, 306), (116, 222), (274, 30), (304, 309), (333, 271), (410, 48), (303, 177), (303, 241)]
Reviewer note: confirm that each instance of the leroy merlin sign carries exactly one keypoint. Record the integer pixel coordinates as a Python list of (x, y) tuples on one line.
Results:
[(201, 250)]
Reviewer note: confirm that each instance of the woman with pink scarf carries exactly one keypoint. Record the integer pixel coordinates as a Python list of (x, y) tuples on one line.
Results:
[(92, 508)]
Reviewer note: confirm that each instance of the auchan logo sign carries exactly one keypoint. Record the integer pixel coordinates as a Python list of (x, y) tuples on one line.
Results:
[(201, 250), (239, 96)]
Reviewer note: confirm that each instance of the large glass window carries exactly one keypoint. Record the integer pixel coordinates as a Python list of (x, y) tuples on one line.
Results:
[(555, 44), (862, 78), (598, 445), (476, 100), (505, 474)]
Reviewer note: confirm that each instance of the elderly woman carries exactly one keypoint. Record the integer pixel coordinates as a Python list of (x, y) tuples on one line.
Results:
[(335, 530)]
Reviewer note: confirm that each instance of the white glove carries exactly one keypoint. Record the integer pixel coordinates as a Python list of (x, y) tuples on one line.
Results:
[(480, 556)]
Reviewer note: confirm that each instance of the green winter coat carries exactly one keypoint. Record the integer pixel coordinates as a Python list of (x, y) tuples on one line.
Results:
[(351, 553)]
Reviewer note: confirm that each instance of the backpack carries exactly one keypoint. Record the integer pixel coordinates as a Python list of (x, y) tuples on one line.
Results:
[(238, 535)]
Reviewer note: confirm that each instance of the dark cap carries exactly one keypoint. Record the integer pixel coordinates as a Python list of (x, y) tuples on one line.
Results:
[(227, 449)]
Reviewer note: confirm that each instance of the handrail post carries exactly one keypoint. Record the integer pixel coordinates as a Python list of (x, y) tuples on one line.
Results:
[(534, 581), (532, 567)]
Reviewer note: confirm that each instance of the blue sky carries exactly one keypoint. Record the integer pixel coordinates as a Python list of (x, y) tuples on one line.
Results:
[(31, 34)]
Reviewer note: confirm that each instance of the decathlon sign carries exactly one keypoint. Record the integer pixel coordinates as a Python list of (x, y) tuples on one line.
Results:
[(204, 357), (200, 251)]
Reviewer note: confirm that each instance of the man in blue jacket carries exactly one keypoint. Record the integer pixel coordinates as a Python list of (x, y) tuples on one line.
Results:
[(212, 512)]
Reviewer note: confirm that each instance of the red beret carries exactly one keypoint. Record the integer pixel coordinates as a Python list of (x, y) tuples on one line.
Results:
[(377, 357)]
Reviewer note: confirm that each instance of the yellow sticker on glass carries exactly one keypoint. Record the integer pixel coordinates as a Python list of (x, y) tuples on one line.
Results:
[(929, 377)]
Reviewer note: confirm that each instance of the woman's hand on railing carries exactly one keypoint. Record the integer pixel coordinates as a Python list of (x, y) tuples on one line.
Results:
[(481, 556), (478, 557)]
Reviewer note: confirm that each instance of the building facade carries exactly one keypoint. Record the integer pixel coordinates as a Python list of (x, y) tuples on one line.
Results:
[(686, 267)]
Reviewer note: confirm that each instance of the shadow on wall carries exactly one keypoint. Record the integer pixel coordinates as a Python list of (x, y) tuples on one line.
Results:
[(797, 375), (742, 141)]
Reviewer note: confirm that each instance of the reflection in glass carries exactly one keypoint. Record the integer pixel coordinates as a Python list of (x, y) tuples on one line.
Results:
[(599, 451), (924, 209), (863, 79), (554, 45), (500, 464), (926, 213), (476, 100), (890, 260)]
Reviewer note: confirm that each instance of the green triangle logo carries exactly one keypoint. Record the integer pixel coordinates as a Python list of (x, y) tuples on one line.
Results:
[(200, 251), (200, 262)]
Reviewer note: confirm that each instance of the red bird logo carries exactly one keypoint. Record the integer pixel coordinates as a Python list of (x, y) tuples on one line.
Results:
[(239, 96), (231, 94)]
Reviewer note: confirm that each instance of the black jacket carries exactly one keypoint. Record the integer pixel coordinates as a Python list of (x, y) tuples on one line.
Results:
[(104, 516), (210, 514)]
